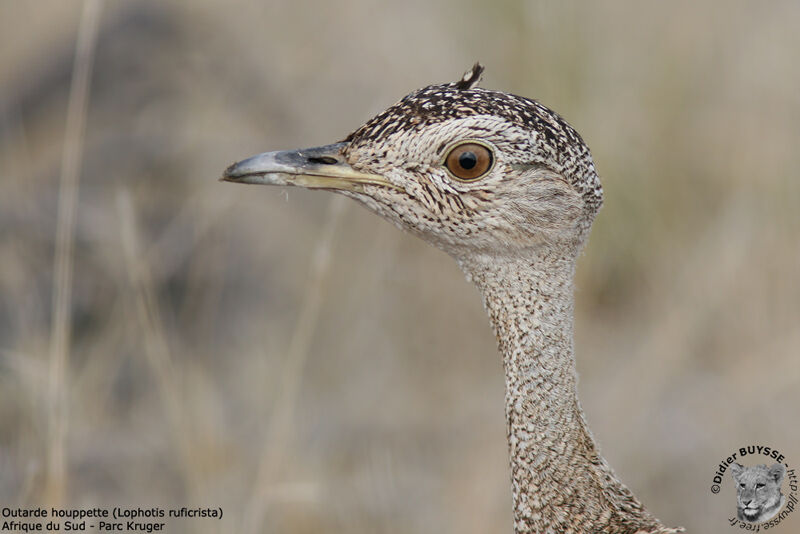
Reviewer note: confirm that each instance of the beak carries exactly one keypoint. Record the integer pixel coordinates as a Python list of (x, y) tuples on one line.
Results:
[(321, 167)]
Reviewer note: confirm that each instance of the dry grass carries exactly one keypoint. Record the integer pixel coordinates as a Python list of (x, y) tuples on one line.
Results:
[(309, 368), (61, 324)]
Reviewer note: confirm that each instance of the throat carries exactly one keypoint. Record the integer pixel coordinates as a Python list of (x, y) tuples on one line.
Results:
[(559, 481)]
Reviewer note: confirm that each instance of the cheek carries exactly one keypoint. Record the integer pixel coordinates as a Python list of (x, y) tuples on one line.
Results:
[(548, 204)]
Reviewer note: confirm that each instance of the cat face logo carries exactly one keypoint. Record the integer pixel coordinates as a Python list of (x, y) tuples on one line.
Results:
[(758, 491)]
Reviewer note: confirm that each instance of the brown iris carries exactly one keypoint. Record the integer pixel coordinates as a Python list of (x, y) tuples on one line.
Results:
[(468, 161)]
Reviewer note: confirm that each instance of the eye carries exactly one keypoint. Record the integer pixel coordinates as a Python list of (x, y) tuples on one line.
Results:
[(469, 161), (760, 485)]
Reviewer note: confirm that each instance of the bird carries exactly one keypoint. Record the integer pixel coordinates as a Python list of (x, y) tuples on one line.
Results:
[(509, 189)]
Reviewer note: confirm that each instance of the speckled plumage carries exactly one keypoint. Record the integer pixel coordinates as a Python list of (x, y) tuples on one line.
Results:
[(558, 146), (560, 483), (516, 233)]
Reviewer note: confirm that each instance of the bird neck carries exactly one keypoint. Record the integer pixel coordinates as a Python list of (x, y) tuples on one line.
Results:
[(559, 481)]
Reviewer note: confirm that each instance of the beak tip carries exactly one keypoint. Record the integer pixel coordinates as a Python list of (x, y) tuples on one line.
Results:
[(229, 174)]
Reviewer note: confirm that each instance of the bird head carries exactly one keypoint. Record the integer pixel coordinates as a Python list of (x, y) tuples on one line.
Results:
[(467, 169)]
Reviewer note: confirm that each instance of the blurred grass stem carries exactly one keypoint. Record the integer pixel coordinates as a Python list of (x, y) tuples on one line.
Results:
[(154, 339), (279, 430), (60, 333)]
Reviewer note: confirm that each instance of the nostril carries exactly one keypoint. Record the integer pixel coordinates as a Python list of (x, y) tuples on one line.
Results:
[(323, 160)]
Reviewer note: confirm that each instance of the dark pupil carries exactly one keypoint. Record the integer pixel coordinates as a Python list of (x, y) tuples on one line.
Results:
[(467, 160)]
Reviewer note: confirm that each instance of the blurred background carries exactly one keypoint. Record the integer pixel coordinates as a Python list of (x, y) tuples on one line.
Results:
[(287, 356)]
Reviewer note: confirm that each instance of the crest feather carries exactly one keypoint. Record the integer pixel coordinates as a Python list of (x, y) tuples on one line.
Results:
[(470, 78)]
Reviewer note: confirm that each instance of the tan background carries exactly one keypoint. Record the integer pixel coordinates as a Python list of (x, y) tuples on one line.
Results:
[(309, 368)]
